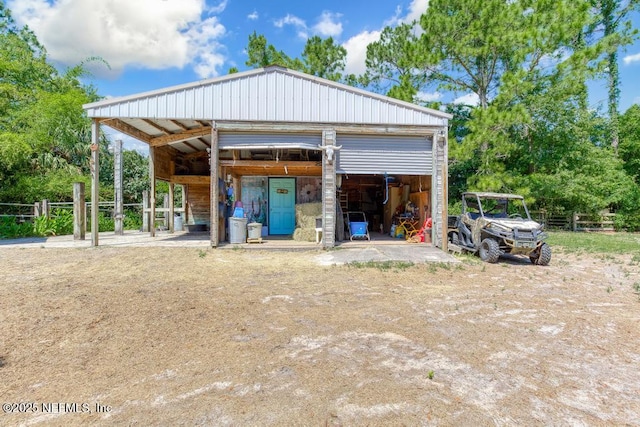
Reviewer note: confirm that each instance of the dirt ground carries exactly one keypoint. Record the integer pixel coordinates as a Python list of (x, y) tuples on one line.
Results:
[(183, 336)]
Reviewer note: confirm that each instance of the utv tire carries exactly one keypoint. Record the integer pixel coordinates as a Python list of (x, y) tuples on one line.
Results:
[(489, 250), (542, 256), (455, 240)]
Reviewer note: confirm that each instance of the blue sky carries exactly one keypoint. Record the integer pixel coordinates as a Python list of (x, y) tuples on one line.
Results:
[(151, 44)]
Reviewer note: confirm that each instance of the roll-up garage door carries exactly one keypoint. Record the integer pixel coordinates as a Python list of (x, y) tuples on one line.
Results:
[(254, 140), (366, 154)]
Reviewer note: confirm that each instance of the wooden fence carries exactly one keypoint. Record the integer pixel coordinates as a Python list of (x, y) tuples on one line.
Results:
[(576, 221), (24, 212)]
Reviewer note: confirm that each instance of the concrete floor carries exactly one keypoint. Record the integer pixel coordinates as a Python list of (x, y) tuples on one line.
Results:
[(380, 248)]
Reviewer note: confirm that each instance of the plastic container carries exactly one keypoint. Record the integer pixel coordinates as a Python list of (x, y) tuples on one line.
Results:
[(177, 223), (254, 230), (238, 212), (237, 230)]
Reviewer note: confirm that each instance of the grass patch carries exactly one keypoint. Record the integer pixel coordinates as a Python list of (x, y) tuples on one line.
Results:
[(616, 243), (382, 265)]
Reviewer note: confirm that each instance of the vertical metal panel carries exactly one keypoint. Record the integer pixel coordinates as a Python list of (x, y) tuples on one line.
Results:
[(229, 140), (268, 95), (369, 154)]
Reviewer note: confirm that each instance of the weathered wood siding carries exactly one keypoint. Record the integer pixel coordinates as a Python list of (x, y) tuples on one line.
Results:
[(164, 157), (199, 204)]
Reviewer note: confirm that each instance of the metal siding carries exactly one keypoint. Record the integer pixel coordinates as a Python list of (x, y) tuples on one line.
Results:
[(367, 154), (229, 140), (277, 95)]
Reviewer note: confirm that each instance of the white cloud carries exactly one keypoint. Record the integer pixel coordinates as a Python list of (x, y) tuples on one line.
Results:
[(356, 48), (294, 21), (143, 33), (329, 25), (415, 10), (631, 58), (428, 97), (253, 16), (471, 99)]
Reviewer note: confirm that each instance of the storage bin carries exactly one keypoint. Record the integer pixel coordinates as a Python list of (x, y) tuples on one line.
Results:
[(254, 230), (237, 230)]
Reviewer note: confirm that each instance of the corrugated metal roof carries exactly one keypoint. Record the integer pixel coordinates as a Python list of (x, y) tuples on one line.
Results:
[(272, 94)]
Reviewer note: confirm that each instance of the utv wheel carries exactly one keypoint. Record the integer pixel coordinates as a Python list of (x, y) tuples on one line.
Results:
[(489, 250), (454, 239), (542, 256)]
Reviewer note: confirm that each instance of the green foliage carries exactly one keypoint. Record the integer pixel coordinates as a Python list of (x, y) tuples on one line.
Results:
[(10, 229), (630, 141), (59, 223), (393, 63), (323, 58), (44, 133), (320, 57)]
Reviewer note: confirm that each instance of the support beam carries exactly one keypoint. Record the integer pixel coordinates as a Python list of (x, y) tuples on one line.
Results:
[(171, 207), (328, 192), (118, 214), (95, 180), (179, 137), (125, 128), (152, 191), (445, 196), (214, 188)]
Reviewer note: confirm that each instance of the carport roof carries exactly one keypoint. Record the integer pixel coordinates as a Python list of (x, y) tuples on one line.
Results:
[(182, 116)]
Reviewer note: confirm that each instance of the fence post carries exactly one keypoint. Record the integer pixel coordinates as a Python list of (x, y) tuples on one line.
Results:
[(36, 209), (145, 212), (575, 221), (117, 184), (79, 211), (165, 205), (46, 210)]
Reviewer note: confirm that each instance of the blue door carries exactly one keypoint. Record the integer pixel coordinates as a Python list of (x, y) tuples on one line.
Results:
[(282, 205)]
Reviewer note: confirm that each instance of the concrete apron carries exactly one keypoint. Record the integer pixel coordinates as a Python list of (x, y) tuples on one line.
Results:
[(376, 250)]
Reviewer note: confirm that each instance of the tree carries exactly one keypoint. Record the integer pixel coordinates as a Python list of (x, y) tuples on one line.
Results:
[(44, 133), (394, 63), (610, 18), (320, 57), (262, 54), (630, 141), (323, 58)]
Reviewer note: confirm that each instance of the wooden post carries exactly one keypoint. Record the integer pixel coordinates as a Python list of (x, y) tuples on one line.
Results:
[(183, 194), (79, 211), (328, 191), (145, 211), (445, 195), (152, 191), (185, 205), (36, 209), (171, 206), (165, 212), (95, 183), (46, 209), (575, 221), (214, 187), (118, 214)]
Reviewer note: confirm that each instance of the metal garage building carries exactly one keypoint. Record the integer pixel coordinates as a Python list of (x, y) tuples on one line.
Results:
[(284, 129)]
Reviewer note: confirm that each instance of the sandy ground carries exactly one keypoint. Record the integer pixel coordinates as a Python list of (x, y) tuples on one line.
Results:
[(184, 336)]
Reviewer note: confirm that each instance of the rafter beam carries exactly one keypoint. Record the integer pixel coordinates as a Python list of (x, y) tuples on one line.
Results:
[(157, 126), (127, 129), (179, 137)]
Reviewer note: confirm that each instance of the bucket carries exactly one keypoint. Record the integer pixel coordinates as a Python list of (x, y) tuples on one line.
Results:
[(254, 230), (237, 230)]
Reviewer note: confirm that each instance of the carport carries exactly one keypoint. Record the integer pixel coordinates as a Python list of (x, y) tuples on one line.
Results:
[(280, 138)]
